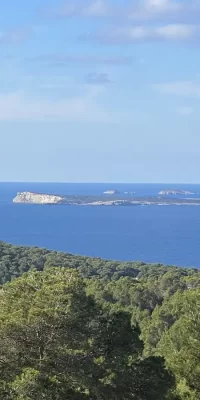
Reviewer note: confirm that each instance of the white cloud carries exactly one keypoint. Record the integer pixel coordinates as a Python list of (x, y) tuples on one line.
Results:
[(149, 9), (87, 108), (171, 32), (185, 111), (19, 106), (138, 32), (96, 9), (176, 31), (180, 88), (73, 8), (156, 19), (130, 9), (161, 5)]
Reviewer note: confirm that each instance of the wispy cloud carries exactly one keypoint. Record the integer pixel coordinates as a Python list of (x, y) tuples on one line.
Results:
[(80, 8), (97, 79), (135, 10), (19, 106), (63, 60), (89, 107), (173, 32), (138, 19), (185, 111), (152, 9), (180, 88), (14, 36)]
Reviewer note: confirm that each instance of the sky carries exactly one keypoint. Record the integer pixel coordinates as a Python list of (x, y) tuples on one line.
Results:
[(100, 91)]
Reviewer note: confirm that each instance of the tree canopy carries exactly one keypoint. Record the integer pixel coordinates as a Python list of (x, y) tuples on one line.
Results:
[(75, 328), (57, 343)]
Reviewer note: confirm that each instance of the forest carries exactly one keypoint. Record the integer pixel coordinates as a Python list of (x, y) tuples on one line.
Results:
[(79, 328)]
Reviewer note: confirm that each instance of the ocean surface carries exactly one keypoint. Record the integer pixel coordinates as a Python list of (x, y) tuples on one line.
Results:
[(164, 234)]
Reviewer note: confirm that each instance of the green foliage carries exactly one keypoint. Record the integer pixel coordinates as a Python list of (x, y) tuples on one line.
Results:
[(56, 343), (78, 328), (184, 392), (15, 260)]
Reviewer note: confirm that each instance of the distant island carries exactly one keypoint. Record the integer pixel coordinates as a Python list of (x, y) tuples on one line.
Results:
[(111, 192), (175, 192), (47, 199), (37, 198)]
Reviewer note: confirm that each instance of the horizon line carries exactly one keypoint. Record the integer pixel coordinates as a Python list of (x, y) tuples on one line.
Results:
[(99, 183)]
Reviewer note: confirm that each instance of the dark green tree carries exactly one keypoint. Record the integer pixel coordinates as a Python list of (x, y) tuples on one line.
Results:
[(56, 343)]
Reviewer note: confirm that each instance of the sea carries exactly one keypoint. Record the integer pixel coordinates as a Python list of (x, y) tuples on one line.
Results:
[(152, 234)]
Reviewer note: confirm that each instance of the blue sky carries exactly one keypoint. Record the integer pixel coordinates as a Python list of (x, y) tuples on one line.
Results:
[(100, 91)]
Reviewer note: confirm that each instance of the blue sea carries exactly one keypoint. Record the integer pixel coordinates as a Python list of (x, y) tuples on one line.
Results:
[(164, 234)]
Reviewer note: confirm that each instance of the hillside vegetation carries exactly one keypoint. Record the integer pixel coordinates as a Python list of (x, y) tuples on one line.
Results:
[(75, 328)]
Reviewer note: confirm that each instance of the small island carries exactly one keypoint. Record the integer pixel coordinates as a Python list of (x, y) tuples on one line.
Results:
[(173, 192), (103, 200), (37, 198), (111, 192)]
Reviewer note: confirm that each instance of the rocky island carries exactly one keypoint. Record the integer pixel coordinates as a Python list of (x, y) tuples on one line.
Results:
[(111, 192), (37, 198), (173, 192), (47, 199)]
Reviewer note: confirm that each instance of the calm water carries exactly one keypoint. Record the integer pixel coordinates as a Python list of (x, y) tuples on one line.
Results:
[(167, 234)]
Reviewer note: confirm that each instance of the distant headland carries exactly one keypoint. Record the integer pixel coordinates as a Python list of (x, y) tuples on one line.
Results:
[(172, 192), (102, 200)]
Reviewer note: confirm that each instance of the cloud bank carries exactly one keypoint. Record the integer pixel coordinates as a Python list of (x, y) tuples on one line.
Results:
[(131, 9), (138, 20), (170, 32)]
